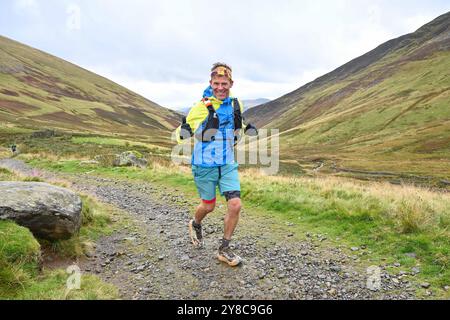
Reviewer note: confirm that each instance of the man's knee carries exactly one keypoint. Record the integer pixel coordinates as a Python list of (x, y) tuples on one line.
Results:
[(208, 206), (234, 200), (235, 205)]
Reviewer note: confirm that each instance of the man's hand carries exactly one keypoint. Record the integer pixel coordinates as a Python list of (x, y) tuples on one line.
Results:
[(251, 130), (186, 131)]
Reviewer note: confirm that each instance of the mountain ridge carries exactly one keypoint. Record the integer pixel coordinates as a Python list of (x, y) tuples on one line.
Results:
[(386, 107), (351, 67), (38, 89)]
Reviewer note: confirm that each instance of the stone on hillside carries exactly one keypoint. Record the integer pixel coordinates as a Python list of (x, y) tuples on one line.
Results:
[(106, 159), (130, 158), (49, 212), (425, 285), (411, 255), (44, 134)]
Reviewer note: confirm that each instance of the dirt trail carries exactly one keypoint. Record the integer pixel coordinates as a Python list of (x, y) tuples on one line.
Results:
[(154, 258)]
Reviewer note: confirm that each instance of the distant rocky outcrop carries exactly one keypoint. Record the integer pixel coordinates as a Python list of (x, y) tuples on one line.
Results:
[(43, 134), (130, 158), (125, 159), (49, 212)]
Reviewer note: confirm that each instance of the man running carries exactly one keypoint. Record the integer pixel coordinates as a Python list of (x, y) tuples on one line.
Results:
[(216, 122)]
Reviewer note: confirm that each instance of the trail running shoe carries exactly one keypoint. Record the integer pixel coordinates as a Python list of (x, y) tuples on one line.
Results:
[(195, 231), (227, 256)]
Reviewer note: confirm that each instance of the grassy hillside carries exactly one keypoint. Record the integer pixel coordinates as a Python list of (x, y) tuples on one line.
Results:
[(387, 110), (39, 90)]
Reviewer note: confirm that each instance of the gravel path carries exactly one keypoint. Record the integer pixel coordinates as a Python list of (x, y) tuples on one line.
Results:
[(154, 259)]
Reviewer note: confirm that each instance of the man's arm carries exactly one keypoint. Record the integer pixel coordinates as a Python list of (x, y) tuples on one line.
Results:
[(249, 129), (194, 119)]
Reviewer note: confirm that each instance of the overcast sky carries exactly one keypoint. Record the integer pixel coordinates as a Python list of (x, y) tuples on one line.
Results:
[(163, 50)]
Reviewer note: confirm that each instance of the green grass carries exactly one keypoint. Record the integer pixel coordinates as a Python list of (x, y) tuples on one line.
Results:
[(76, 145), (114, 142), (389, 227), (5, 174), (13, 129), (19, 257), (52, 286), (100, 140)]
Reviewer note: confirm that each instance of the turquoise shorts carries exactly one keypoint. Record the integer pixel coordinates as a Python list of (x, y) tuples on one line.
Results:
[(207, 179)]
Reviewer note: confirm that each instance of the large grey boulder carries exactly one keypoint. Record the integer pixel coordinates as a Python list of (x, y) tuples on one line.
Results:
[(49, 212)]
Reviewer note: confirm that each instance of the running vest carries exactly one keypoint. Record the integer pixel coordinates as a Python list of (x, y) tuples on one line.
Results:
[(212, 122)]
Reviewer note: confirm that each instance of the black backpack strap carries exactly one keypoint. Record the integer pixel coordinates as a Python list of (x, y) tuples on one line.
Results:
[(238, 118), (212, 122), (237, 114)]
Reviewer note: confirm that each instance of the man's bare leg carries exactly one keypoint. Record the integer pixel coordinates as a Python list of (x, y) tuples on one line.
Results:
[(195, 228), (232, 217), (202, 210), (225, 254)]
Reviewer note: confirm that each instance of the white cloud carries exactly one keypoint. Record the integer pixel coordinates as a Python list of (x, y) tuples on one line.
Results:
[(73, 21), (26, 6), (174, 95), (180, 95), (415, 22)]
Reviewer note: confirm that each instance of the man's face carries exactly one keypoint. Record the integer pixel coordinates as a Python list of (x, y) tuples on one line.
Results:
[(221, 87)]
